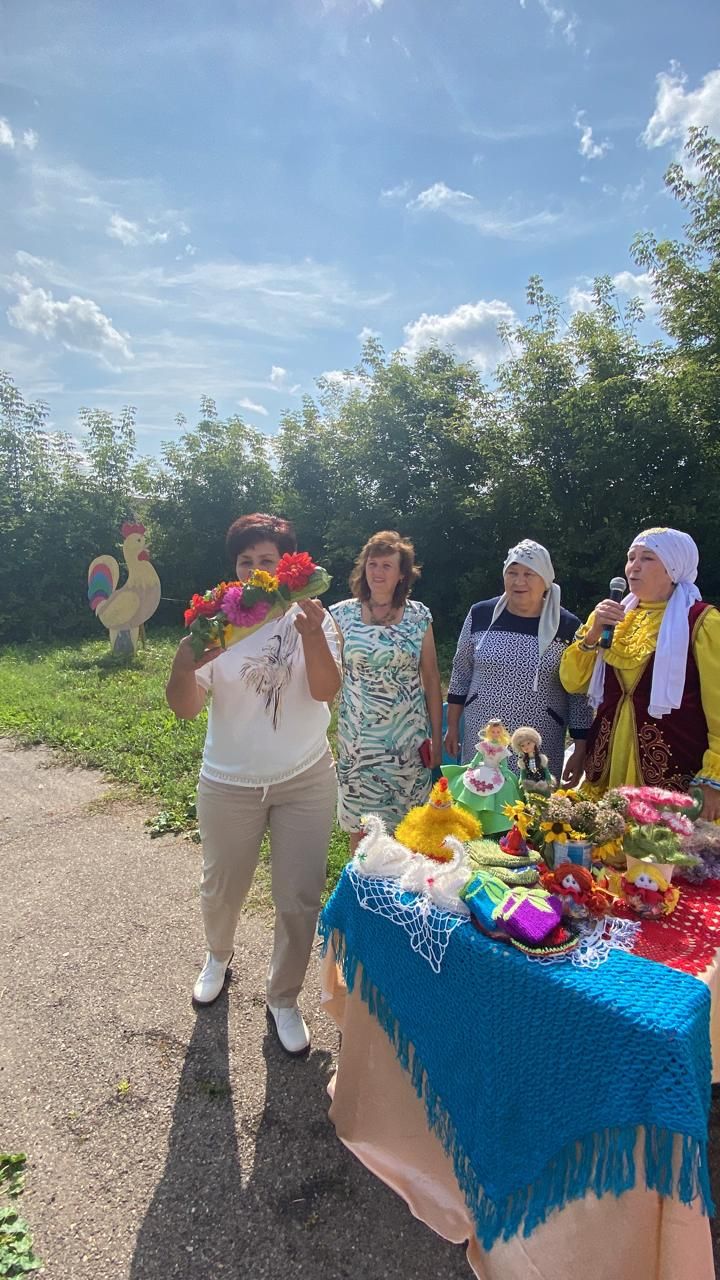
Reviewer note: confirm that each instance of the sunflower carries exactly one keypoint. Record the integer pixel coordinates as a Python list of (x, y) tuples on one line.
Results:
[(556, 832), (264, 580), (518, 813), (609, 851), (569, 794)]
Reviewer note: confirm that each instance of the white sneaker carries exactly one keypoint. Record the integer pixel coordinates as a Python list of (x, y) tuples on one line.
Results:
[(211, 978), (291, 1028)]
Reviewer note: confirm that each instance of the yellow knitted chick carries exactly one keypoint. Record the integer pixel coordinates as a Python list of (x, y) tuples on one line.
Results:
[(425, 827)]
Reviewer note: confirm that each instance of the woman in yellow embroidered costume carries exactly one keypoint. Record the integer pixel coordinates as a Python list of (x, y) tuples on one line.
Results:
[(657, 688)]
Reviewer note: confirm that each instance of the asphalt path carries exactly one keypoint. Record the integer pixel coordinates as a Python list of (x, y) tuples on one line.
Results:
[(164, 1142)]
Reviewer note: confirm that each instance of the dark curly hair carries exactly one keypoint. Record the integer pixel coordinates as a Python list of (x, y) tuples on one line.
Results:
[(259, 527)]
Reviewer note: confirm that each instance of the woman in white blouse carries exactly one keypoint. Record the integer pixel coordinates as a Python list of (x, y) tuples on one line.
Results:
[(266, 765)]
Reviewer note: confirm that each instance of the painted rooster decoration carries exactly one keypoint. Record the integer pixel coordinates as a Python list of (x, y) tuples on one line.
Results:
[(123, 610)]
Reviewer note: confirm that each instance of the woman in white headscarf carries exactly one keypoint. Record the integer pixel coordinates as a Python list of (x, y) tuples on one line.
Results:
[(657, 688), (507, 664)]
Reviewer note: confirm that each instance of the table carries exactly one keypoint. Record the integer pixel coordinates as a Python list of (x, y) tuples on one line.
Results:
[(379, 1116)]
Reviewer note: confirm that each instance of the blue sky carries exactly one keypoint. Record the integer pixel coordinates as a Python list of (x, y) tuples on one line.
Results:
[(222, 198)]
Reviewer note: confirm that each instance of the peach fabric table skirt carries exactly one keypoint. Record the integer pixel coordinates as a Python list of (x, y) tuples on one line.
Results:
[(379, 1117)]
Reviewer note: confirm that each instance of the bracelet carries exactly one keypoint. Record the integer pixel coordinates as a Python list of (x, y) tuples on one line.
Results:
[(586, 648)]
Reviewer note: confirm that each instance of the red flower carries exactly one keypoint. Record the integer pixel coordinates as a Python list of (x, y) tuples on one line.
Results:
[(295, 570)]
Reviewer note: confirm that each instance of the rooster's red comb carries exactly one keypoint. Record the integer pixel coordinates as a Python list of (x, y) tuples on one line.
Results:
[(128, 528)]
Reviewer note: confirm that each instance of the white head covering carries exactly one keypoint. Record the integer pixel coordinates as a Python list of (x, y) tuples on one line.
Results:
[(679, 555), (537, 558)]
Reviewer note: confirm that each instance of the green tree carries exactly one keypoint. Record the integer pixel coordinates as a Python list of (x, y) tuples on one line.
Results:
[(204, 481)]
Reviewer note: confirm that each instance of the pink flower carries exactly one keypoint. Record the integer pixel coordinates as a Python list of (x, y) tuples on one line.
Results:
[(659, 796), (240, 616), (678, 823), (641, 812)]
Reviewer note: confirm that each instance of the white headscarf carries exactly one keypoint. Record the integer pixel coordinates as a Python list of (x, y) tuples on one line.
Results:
[(537, 558), (679, 555)]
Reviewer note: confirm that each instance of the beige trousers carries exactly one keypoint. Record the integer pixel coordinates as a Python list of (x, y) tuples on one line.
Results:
[(233, 821)]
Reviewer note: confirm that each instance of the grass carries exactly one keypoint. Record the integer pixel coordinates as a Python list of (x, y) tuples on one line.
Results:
[(110, 713), (17, 1257)]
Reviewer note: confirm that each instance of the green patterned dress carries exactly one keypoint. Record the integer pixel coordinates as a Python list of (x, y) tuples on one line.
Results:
[(382, 717)]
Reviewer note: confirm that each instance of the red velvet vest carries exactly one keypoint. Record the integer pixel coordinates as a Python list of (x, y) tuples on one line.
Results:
[(670, 750)]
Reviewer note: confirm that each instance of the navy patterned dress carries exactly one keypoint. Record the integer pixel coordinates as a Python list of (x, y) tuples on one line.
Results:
[(495, 678), (382, 717)]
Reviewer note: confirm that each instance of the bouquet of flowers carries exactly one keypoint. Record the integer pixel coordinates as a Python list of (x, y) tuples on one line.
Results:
[(232, 610), (658, 824), (566, 817)]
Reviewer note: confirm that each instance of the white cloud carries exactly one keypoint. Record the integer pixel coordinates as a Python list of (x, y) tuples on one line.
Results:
[(580, 296), (676, 110), (252, 406), (461, 207), (588, 147), (278, 375), (636, 286), (344, 379), (562, 21), (580, 299), (28, 139), (366, 332), (391, 194), (472, 329), (131, 233), (78, 324)]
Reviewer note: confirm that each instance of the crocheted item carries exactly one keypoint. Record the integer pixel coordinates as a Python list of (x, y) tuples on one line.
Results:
[(491, 1019), (425, 827), (427, 926), (595, 939), (508, 867), (689, 939)]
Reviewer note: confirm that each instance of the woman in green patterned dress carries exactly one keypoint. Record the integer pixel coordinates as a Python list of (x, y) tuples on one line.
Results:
[(391, 699)]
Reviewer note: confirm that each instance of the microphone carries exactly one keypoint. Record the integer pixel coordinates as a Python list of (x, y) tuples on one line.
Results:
[(618, 587)]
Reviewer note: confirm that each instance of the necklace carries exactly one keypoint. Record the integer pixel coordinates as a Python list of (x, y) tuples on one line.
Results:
[(387, 610)]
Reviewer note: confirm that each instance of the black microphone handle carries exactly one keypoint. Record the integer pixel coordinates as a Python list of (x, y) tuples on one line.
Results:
[(606, 638)]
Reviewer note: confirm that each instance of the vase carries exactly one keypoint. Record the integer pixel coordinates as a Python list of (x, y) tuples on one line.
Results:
[(576, 851)]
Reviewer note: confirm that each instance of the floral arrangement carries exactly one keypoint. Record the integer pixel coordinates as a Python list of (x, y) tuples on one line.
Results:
[(566, 816), (232, 610), (657, 824)]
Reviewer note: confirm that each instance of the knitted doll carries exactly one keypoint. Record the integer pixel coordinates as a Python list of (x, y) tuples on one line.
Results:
[(534, 773), (646, 890), (486, 784), (576, 888)]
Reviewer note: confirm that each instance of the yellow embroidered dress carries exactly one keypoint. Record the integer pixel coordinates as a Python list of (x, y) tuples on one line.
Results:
[(623, 753)]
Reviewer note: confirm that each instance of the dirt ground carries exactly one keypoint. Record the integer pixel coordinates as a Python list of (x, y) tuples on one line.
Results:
[(163, 1142)]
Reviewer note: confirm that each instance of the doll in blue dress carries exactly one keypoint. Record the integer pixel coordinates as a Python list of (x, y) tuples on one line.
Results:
[(486, 784)]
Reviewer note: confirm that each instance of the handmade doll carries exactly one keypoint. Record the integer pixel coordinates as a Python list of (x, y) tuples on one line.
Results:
[(577, 891), (646, 890), (534, 773), (486, 784)]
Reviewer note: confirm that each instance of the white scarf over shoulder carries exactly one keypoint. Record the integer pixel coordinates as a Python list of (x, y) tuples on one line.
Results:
[(679, 555)]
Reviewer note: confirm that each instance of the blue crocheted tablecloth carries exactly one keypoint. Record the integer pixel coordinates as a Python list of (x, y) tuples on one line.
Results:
[(539, 1079)]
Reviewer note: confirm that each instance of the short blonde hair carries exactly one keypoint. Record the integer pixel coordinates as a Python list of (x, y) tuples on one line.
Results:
[(383, 544)]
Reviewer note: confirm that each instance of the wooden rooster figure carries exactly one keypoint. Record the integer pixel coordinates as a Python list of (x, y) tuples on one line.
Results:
[(123, 610)]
